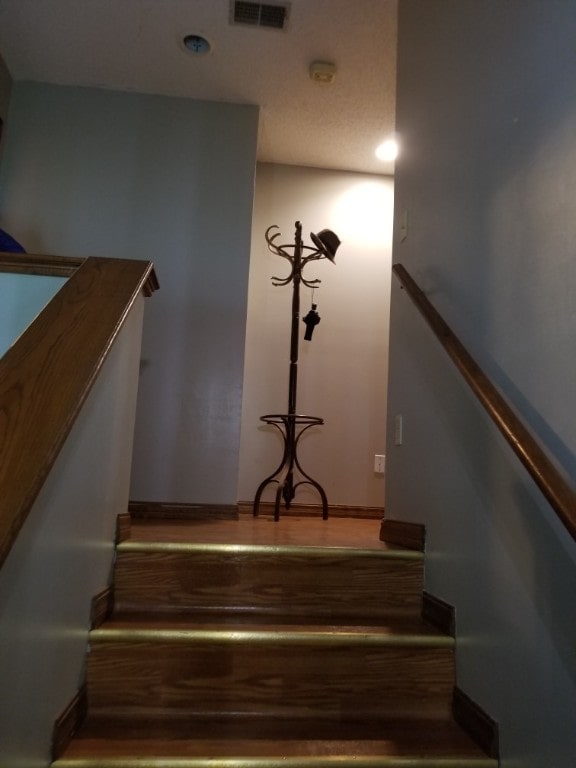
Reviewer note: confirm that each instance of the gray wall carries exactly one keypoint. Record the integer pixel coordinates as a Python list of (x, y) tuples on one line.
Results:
[(63, 557), (94, 172), (5, 86), (487, 119), (22, 297)]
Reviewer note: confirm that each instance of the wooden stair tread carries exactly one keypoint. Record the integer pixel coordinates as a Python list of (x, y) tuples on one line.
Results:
[(351, 759), (309, 550), (260, 737), (407, 627), (297, 531)]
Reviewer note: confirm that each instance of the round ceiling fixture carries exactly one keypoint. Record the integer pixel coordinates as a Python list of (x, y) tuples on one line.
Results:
[(196, 44)]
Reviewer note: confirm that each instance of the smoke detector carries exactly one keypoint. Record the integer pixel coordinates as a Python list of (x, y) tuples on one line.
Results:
[(323, 72)]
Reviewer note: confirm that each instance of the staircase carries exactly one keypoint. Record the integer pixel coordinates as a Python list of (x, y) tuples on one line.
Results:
[(253, 644)]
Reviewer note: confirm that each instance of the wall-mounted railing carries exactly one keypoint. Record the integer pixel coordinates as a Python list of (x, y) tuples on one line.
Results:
[(47, 374), (556, 489)]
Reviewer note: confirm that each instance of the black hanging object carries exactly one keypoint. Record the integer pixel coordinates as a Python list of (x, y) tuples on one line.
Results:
[(311, 321)]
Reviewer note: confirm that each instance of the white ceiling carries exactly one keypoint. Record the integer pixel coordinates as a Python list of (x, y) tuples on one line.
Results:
[(135, 45)]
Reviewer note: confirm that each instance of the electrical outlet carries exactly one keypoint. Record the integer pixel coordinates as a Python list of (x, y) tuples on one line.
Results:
[(379, 464)]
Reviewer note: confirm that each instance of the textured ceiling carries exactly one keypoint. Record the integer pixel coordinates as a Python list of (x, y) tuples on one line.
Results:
[(136, 45)]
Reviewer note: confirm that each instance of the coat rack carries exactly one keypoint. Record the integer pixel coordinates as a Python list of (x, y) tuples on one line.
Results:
[(292, 425)]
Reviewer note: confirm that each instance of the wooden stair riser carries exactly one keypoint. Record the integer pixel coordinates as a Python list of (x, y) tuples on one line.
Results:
[(271, 581), (281, 678)]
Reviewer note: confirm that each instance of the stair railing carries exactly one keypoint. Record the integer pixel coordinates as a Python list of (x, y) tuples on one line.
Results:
[(48, 372), (29, 264), (545, 474)]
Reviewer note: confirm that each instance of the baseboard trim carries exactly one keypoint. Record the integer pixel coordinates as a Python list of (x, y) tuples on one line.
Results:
[(477, 724), (69, 722), (169, 510), (122, 527), (102, 607), (438, 613), (402, 534), (313, 510)]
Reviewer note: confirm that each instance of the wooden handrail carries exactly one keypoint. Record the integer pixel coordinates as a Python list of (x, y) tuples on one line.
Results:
[(559, 493), (25, 263), (48, 372)]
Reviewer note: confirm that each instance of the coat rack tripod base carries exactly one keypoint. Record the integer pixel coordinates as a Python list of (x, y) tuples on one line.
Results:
[(291, 427)]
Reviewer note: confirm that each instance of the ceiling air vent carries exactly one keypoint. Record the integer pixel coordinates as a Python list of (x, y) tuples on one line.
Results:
[(271, 16)]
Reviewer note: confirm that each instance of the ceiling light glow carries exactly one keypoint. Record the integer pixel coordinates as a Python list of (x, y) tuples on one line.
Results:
[(387, 151), (358, 214)]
